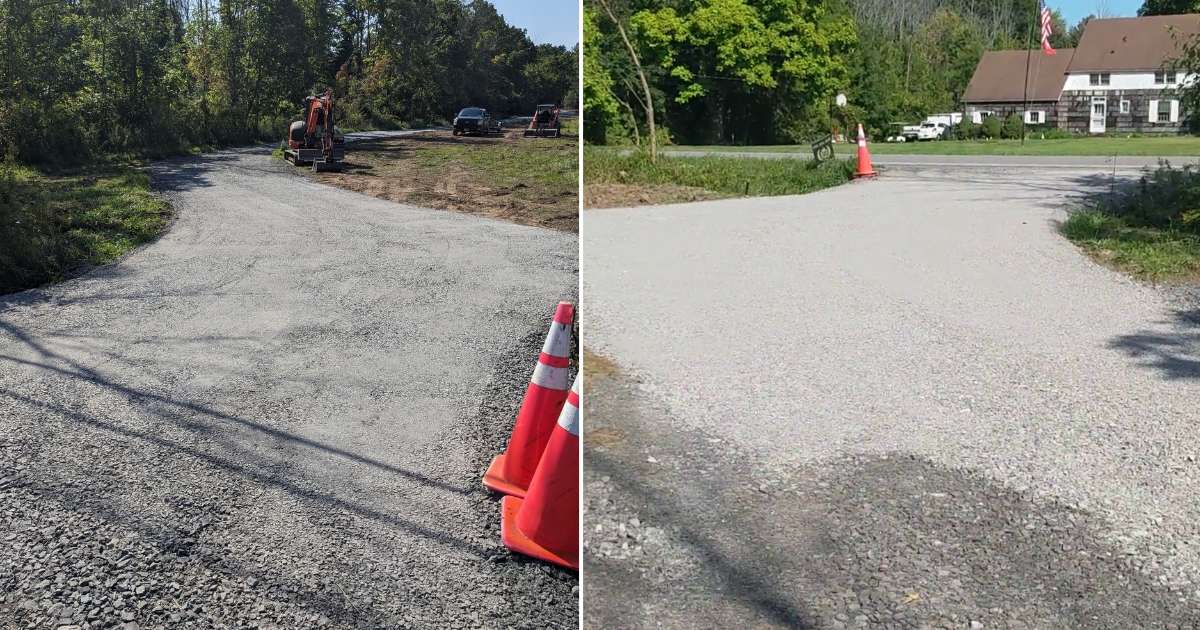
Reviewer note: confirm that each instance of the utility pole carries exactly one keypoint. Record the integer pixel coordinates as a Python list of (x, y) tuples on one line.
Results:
[(1028, 57)]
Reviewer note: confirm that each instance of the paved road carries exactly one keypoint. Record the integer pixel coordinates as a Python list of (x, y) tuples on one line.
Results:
[(903, 403), (278, 413), (1079, 162)]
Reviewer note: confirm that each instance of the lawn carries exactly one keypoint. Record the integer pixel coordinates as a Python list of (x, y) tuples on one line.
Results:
[(617, 179), (1145, 252), (532, 181), (1139, 146), (57, 225)]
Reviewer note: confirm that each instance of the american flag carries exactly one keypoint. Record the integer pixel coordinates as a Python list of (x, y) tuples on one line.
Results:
[(1046, 30)]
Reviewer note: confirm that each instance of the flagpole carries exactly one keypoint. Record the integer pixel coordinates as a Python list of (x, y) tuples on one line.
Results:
[(1028, 57)]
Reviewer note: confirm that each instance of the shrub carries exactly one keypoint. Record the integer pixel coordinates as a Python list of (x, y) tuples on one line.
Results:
[(991, 127), (1012, 127), (1090, 225), (1168, 197), (55, 224), (1054, 133), (966, 130), (29, 231)]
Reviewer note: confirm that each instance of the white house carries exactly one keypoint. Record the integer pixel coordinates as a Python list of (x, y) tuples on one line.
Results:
[(1123, 77)]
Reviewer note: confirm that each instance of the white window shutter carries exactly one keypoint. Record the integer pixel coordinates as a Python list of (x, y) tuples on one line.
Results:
[(1153, 111), (1174, 111)]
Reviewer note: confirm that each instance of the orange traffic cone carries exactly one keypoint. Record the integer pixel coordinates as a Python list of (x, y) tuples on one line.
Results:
[(512, 470), (545, 524), (864, 156)]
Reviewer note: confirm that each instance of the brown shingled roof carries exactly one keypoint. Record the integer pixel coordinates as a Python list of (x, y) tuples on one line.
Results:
[(1132, 44), (1000, 76)]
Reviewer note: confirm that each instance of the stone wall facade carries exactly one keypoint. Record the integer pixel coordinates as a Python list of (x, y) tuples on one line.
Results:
[(1075, 111), (1004, 110)]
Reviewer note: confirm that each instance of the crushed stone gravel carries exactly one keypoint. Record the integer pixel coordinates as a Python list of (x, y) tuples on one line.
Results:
[(276, 416)]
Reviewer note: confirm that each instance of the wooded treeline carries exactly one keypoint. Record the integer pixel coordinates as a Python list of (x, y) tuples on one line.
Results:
[(86, 78), (767, 71)]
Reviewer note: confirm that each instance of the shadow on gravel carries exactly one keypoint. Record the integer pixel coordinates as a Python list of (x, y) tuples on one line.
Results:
[(891, 540), (184, 414), (1175, 354), (747, 574), (181, 174), (1038, 190)]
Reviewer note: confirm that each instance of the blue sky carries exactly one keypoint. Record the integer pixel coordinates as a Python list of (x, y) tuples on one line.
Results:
[(1075, 10), (547, 21)]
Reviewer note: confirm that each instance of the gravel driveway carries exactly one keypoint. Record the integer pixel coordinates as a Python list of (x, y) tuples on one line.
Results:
[(277, 415), (906, 402)]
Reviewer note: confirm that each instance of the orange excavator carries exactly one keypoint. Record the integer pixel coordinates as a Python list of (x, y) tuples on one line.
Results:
[(545, 122), (315, 139)]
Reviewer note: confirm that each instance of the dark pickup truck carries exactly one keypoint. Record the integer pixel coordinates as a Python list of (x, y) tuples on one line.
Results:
[(475, 120)]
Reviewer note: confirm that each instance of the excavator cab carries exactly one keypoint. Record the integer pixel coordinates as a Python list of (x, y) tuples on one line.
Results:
[(545, 122), (315, 139)]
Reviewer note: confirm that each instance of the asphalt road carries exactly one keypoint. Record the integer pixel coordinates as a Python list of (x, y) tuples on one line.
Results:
[(906, 402), (277, 415), (1063, 162)]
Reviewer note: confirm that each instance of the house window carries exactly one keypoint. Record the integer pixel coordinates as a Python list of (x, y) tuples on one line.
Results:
[(1164, 111), (1035, 117), (1101, 78), (1165, 77), (1124, 106)]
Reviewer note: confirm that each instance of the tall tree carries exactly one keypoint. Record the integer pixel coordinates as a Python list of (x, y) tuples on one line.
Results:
[(1169, 7)]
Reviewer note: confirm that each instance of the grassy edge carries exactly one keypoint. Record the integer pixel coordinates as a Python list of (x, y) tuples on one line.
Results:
[(1171, 146), (1149, 254), (61, 225), (717, 176)]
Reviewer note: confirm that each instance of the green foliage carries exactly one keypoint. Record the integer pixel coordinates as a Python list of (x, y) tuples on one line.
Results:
[(742, 72), (1189, 57), (1012, 127), (1168, 197), (598, 100), (739, 71), (991, 128), (730, 176), (1047, 132), (1169, 7), (1060, 35), (54, 225), (87, 80), (1150, 253), (967, 129), (1152, 231)]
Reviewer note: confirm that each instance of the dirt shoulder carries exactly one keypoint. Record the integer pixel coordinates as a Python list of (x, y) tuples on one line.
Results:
[(630, 195), (531, 181)]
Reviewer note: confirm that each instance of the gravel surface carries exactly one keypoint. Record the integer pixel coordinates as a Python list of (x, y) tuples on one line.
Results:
[(276, 416), (936, 317), (698, 531)]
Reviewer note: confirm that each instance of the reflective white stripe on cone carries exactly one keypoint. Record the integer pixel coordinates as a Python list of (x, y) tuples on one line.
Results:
[(545, 524)]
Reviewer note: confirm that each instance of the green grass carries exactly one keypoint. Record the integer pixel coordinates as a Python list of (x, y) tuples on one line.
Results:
[(551, 167), (727, 176), (1148, 253), (1136, 146), (52, 226)]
